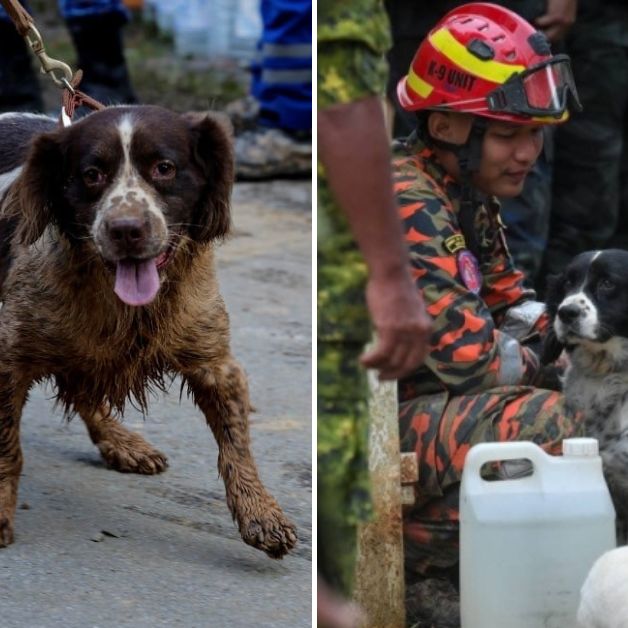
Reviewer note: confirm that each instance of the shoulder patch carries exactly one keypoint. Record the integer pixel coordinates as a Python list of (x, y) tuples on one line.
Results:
[(455, 243)]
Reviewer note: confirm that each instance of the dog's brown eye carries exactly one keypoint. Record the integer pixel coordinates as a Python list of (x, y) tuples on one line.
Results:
[(93, 176), (164, 170)]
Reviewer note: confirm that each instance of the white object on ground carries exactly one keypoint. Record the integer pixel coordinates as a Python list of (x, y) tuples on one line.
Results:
[(604, 594)]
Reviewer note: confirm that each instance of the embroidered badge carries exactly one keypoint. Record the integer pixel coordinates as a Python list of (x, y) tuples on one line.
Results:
[(469, 270), (455, 243)]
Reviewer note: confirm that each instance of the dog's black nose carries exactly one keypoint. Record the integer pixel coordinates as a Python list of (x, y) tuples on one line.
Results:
[(127, 232), (568, 313)]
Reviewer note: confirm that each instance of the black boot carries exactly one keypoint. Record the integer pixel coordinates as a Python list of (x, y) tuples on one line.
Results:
[(19, 87), (99, 48)]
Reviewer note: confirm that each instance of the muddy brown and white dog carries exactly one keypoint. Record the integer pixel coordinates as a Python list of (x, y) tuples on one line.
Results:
[(108, 289), (588, 304)]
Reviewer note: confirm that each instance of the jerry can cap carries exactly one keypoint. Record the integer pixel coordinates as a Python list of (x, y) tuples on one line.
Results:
[(580, 447)]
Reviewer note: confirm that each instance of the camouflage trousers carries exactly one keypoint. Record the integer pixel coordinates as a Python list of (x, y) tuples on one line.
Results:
[(342, 478), (343, 329), (441, 431)]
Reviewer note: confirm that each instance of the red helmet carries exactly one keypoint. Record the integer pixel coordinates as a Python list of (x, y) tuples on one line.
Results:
[(487, 60)]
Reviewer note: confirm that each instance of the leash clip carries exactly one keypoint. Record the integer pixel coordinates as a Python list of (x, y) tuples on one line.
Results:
[(49, 65)]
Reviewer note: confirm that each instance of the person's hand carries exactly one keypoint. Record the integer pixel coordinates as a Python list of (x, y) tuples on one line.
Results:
[(558, 18), (401, 324)]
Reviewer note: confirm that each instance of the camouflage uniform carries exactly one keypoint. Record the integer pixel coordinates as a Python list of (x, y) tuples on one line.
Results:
[(352, 39), (478, 381), (589, 205)]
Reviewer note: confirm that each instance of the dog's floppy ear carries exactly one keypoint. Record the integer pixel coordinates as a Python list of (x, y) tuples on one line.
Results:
[(554, 293), (552, 347), (39, 187), (212, 150)]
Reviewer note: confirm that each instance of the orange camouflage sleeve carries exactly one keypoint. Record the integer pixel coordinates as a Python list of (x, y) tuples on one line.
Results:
[(468, 352)]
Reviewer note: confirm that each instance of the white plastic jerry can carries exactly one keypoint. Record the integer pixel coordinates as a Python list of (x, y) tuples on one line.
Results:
[(527, 544)]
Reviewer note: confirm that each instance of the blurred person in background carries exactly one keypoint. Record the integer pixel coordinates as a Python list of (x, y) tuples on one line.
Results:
[(96, 30), (274, 124), (590, 181)]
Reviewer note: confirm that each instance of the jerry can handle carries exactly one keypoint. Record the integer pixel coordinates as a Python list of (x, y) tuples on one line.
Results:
[(482, 453)]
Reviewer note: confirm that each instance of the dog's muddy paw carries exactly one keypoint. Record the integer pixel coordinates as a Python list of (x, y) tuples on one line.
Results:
[(272, 533), (135, 455), (6, 531)]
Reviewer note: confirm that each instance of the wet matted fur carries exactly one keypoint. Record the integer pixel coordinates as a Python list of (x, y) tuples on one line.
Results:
[(109, 289)]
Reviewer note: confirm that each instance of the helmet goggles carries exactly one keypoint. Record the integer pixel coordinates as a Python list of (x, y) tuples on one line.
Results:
[(542, 90)]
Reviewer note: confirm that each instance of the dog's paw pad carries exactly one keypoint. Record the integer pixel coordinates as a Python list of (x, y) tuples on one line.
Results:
[(273, 533), (141, 458)]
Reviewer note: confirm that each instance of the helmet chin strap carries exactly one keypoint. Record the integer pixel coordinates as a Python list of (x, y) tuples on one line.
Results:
[(469, 157)]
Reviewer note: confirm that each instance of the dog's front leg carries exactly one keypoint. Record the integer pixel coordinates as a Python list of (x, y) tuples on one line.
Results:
[(120, 448), (221, 391), (12, 397)]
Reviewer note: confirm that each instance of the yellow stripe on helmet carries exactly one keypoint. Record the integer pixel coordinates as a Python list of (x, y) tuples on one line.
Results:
[(418, 85), (493, 71), (551, 119)]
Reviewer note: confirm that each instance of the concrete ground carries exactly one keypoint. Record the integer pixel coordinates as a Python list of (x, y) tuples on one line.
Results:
[(96, 548)]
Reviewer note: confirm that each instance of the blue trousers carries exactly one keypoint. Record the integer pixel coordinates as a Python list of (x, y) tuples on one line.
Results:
[(282, 77), (80, 8)]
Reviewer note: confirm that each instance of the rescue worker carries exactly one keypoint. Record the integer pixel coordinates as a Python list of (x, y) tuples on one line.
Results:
[(279, 143), (363, 280), (483, 85), (527, 215)]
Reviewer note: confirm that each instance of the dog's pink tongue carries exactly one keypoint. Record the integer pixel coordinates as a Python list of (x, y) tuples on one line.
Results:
[(137, 282)]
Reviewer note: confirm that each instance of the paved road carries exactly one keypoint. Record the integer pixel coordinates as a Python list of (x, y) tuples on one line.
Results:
[(99, 548)]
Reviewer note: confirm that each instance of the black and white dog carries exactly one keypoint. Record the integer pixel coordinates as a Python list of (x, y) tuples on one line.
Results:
[(588, 304)]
